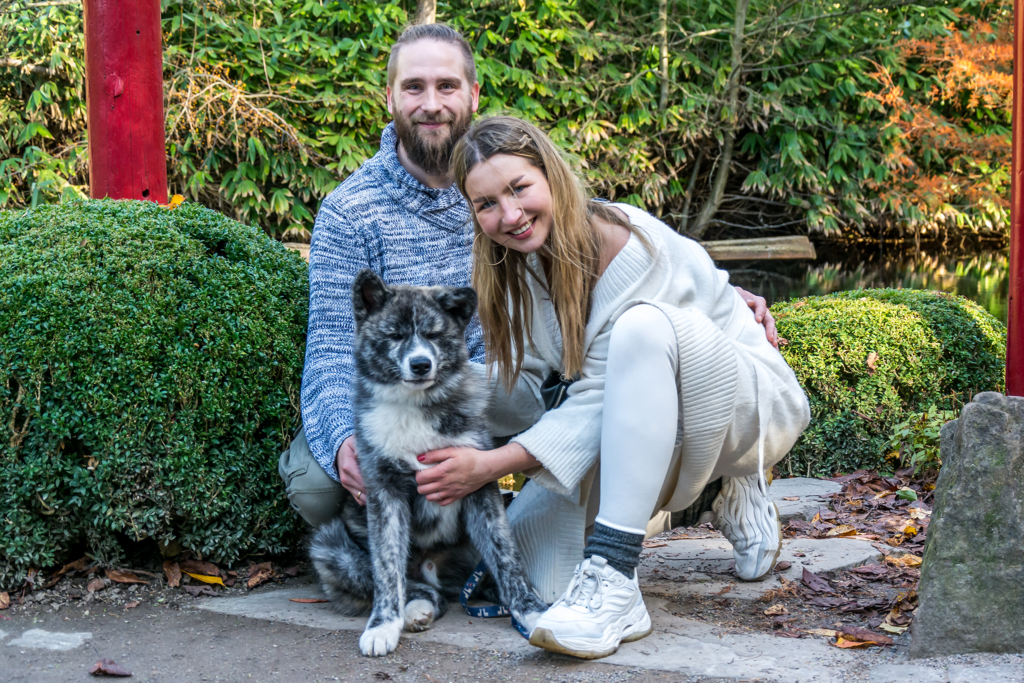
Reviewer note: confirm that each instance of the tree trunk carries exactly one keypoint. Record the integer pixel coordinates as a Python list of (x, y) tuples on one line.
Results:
[(732, 122), (689, 190), (426, 11), (663, 36)]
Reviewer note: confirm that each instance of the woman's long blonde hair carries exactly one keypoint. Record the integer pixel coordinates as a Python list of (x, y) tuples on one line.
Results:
[(572, 249)]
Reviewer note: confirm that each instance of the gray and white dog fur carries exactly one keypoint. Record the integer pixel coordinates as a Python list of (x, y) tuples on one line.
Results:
[(405, 555)]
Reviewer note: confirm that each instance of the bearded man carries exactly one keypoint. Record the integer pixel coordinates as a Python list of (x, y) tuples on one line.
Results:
[(401, 215)]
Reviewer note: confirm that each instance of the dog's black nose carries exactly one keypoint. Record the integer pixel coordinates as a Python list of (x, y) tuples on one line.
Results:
[(420, 365)]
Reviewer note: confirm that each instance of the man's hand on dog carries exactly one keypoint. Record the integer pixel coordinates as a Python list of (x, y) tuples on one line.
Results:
[(761, 314), (348, 470)]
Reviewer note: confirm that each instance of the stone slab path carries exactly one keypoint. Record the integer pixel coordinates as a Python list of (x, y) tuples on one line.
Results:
[(264, 636)]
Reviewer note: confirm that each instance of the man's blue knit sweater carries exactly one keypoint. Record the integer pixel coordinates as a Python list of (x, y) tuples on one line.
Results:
[(380, 218)]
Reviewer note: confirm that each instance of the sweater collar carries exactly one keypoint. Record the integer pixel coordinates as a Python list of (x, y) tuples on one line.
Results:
[(624, 272), (444, 208)]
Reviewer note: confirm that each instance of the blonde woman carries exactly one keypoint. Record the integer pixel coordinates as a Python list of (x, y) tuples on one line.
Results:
[(675, 386)]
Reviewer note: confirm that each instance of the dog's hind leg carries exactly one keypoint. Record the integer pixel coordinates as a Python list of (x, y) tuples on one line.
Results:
[(484, 516), (388, 520), (425, 605), (346, 574)]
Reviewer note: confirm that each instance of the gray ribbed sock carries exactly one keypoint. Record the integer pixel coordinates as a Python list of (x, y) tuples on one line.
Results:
[(621, 549)]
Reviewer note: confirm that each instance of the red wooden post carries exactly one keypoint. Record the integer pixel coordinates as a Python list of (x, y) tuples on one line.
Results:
[(125, 95), (1015, 301)]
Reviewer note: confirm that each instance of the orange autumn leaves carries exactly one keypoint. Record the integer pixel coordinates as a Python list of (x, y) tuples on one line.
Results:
[(948, 111)]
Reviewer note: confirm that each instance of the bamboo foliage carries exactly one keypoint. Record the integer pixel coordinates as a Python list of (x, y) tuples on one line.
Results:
[(728, 116)]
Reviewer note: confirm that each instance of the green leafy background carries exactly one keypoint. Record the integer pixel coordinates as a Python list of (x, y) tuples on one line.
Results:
[(270, 104)]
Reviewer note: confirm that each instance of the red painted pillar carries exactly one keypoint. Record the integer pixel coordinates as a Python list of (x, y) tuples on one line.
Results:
[(1015, 301), (125, 95)]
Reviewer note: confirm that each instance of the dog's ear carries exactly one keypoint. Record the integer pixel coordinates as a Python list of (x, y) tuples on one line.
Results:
[(458, 302), (369, 294)]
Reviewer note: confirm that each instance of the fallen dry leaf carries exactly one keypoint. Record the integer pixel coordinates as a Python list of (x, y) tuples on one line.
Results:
[(124, 577), (259, 573), (827, 632), (199, 590), (173, 573), (873, 570), (918, 513), (107, 667), (196, 567), (308, 600), (841, 530), (872, 359), (907, 560), (176, 201), (843, 642), (893, 629), (791, 498), (77, 565), (858, 633), (5, 600), (216, 580), (783, 566), (292, 571), (132, 605), (815, 582), (775, 610), (95, 585), (725, 589)]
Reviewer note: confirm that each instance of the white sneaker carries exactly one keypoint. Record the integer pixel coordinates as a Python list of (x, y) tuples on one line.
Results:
[(600, 609), (749, 519)]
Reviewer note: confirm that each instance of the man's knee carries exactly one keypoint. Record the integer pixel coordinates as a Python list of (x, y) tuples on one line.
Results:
[(311, 492)]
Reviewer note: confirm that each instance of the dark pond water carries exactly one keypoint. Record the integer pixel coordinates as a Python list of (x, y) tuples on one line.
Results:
[(981, 275)]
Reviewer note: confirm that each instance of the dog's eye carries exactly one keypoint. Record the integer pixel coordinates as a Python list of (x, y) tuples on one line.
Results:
[(396, 336), (431, 335)]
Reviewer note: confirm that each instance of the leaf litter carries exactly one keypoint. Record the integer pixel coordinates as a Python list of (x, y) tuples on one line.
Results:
[(173, 580), (878, 598)]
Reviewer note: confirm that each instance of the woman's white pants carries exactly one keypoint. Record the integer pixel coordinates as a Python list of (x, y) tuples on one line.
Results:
[(638, 439)]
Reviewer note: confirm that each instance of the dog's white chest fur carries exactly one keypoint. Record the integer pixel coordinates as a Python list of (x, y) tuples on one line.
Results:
[(403, 431)]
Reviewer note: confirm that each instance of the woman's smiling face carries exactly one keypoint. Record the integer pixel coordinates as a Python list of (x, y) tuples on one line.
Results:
[(512, 201)]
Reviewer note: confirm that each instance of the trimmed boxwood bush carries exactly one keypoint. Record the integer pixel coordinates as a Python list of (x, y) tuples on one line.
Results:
[(150, 364), (869, 359)]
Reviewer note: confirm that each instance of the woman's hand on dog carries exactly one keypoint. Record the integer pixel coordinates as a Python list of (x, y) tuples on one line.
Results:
[(348, 470), (457, 472)]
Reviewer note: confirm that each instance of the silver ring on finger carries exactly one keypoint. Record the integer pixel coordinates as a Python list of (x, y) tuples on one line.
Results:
[(437, 496)]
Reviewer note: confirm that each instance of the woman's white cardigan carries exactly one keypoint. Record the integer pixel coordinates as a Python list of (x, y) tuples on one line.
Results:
[(741, 406)]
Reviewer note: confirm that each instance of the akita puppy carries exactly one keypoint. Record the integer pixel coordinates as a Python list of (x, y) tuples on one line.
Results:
[(403, 554)]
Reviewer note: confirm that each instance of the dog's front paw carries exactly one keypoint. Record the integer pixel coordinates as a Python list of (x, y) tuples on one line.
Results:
[(380, 640), (527, 620), (418, 615)]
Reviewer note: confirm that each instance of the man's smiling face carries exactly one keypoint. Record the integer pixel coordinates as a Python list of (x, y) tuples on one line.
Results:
[(431, 102)]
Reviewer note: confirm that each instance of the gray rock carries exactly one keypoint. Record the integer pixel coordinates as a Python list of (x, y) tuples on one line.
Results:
[(972, 579)]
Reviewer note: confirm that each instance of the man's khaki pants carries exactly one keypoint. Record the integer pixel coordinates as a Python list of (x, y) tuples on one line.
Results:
[(313, 494)]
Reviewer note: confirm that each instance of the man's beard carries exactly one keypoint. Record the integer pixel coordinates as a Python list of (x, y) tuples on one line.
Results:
[(431, 153)]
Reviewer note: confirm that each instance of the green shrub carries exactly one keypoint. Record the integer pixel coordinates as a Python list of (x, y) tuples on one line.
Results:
[(870, 359), (916, 440), (150, 363)]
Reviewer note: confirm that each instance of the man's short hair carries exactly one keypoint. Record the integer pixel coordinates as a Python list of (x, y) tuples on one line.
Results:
[(442, 33)]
